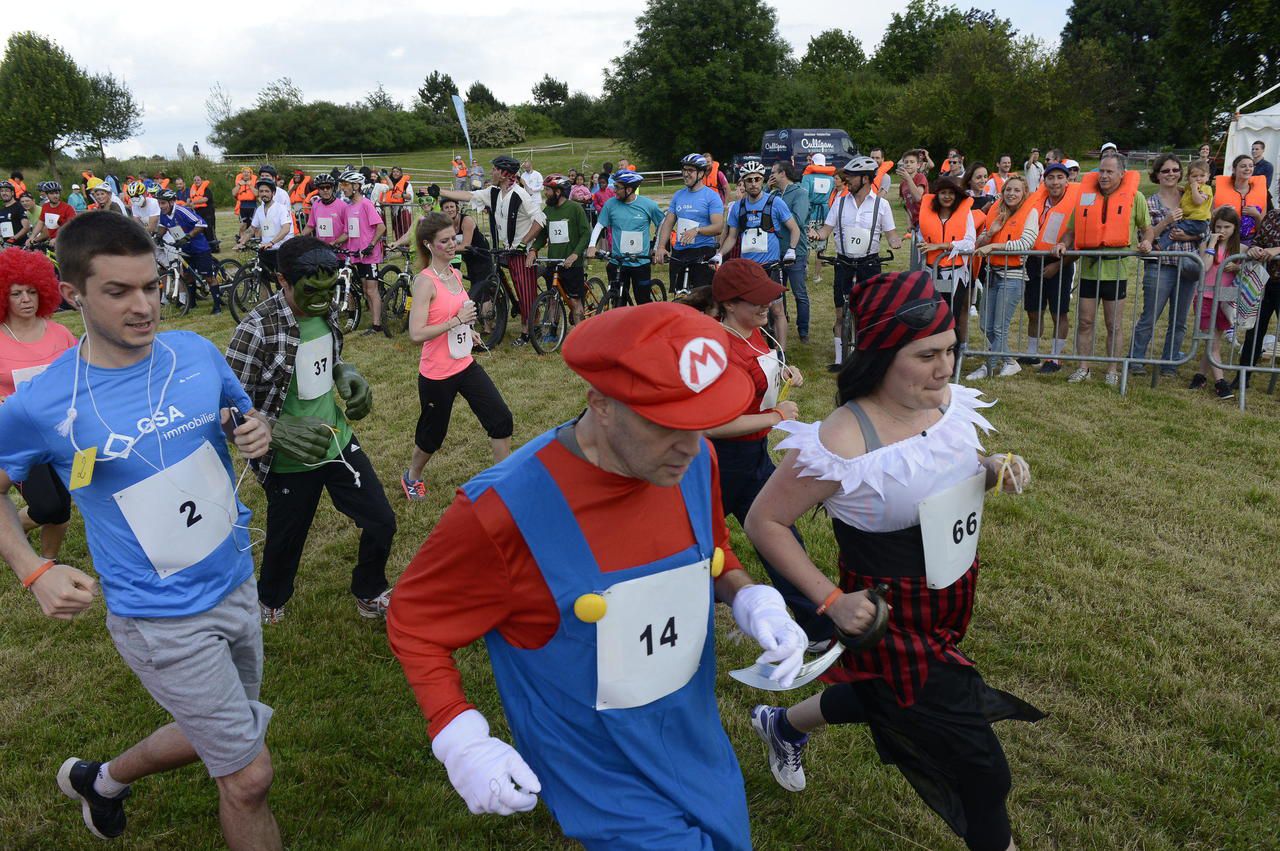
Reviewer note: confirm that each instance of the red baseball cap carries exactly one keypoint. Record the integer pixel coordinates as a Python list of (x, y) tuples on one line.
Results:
[(667, 362), (747, 280)]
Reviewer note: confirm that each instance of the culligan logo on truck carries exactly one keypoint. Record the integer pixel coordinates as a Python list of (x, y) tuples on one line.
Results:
[(817, 145)]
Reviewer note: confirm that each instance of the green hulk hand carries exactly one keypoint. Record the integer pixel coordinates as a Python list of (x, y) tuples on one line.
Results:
[(354, 390), (305, 439)]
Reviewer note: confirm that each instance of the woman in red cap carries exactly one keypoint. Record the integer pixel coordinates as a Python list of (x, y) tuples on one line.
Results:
[(899, 468), (742, 293), (29, 342)]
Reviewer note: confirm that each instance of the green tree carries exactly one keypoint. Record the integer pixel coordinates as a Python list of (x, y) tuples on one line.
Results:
[(694, 76), (279, 94), (833, 51), (549, 92), (497, 130), (380, 98), (481, 101), (435, 95), (44, 100), (112, 115)]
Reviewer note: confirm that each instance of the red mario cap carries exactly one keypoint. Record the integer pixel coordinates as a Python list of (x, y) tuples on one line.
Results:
[(667, 362)]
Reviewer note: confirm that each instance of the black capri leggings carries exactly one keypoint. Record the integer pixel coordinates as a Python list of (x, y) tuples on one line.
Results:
[(436, 396), (48, 502)]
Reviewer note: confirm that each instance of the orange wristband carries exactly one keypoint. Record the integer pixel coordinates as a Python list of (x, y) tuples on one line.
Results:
[(782, 418), (831, 598), (36, 574)]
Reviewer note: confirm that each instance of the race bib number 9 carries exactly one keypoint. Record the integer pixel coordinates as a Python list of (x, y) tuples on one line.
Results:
[(949, 525), (821, 185), (558, 233), (181, 514), (649, 643), (631, 242)]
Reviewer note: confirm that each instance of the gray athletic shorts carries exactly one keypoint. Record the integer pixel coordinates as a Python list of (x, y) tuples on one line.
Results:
[(206, 671)]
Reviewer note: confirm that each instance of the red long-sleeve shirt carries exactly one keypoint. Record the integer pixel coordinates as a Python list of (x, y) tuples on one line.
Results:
[(475, 572)]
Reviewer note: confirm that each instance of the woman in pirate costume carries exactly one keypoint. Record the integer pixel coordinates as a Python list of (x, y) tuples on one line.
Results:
[(900, 469)]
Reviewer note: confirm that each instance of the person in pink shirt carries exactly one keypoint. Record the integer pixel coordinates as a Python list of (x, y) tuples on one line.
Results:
[(364, 228), (441, 319), (328, 219), (1224, 241), (29, 342)]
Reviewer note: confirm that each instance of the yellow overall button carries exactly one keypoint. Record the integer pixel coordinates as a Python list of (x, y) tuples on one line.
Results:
[(589, 607), (717, 563)]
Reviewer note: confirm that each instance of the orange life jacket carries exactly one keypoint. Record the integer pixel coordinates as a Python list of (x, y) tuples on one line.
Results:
[(945, 168), (999, 181), (306, 201), (19, 188), (712, 179), (164, 182), (1225, 194), (244, 188), (1010, 231), (462, 170), (1053, 221), (1103, 221), (819, 169), (884, 169), (935, 230), (298, 191), (395, 195), (197, 198), (979, 222)]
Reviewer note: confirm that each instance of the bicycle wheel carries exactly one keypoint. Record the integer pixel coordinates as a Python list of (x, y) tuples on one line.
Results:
[(247, 292), (610, 298), (548, 323), (393, 319), (491, 311), (595, 299), (176, 297), (657, 290), (846, 334), (352, 310)]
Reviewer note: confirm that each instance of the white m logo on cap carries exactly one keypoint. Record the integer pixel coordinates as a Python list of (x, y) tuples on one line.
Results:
[(702, 361)]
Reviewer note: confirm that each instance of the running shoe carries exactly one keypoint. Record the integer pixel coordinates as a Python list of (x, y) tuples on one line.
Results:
[(978, 374), (1029, 360), (1009, 368), (415, 490), (1081, 374), (1049, 367), (784, 756), (522, 340), (1200, 380), (374, 607), (270, 615), (1222, 389), (1113, 379), (102, 815)]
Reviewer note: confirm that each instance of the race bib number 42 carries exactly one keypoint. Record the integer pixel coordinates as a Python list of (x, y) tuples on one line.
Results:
[(649, 644)]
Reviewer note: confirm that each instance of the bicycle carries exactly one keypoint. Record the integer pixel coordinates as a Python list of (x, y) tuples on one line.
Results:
[(396, 285), (495, 298), (251, 286), (777, 271), (181, 286), (547, 325), (847, 331), (683, 288), (617, 296)]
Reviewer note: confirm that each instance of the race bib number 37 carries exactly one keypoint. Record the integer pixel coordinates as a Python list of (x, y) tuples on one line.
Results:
[(649, 643)]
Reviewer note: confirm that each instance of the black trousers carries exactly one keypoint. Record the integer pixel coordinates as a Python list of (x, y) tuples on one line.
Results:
[(291, 506), (744, 468), (47, 499), (1270, 306)]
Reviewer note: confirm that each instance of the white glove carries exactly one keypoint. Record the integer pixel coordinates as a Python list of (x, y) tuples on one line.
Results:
[(790, 255), (716, 258), (761, 613), (488, 773)]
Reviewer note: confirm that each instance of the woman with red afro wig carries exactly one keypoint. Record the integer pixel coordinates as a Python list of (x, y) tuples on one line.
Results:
[(29, 342)]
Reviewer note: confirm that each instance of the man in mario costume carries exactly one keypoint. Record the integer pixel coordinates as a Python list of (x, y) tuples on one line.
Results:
[(590, 561)]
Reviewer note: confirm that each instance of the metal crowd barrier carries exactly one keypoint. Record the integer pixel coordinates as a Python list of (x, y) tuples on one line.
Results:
[(1132, 315), (1241, 339)]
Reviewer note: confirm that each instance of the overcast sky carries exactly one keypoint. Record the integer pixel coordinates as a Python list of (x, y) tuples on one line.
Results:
[(245, 45)]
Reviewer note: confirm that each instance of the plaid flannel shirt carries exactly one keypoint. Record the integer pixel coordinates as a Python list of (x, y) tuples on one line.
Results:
[(261, 354)]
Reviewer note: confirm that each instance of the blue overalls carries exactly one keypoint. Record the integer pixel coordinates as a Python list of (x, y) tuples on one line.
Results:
[(650, 777)]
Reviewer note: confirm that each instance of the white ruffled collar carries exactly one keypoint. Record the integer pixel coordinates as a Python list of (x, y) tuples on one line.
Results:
[(900, 461)]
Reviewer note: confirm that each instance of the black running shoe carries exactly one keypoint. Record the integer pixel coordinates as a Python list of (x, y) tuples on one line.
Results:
[(103, 816), (1222, 389)]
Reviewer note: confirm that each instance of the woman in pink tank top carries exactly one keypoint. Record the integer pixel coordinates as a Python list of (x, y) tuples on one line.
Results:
[(441, 319)]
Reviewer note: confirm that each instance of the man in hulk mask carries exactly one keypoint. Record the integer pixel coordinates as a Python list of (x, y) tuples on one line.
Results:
[(288, 355)]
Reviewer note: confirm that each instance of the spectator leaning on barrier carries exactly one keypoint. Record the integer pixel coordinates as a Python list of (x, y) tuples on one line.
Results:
[(1049, 278), (1113, 190), (1266, 248), (1167, 281), (946, 230), (1245, 191), (1033, 170), (1013, 226)]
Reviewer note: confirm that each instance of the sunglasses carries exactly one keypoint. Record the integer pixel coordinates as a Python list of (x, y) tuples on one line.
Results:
[(918, 314), (1170, 171)]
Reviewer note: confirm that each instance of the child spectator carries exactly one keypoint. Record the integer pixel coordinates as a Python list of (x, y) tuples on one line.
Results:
[(1224, 241), (1197, 201)]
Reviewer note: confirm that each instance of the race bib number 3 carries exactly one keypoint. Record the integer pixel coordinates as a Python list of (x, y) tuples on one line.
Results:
[(181, 514), (949, 525), (755, 241), (649, 644), (353, 228)]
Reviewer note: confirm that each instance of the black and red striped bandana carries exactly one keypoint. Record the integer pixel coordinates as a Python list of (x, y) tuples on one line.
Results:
[(894, 308)]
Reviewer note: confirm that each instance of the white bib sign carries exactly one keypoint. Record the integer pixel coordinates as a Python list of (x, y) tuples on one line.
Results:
[(558, 232), (176, 233), (6, 230), (182, 513), (683, 225), (755, 241), (772, 368), (631, 242), (313, 367), (21, 376), (649, 643), (949, 525), (459, 342), (51, 220), (821, 185), (324, 227), (857, 242), (353, 228)]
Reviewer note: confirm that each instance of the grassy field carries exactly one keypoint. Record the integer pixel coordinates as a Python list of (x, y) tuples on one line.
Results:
[(1132, 593)]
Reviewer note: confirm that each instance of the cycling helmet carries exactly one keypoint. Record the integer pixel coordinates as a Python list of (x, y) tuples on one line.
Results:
[(267, 168), (506, 163), (697, 161), (4, 184), (628, 178), (324, 179), (97, 185), (167, 195), (752, 167), (555, 181), (264, 181), (860, 164), (50, 186), (136, 189), (354, 177)]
